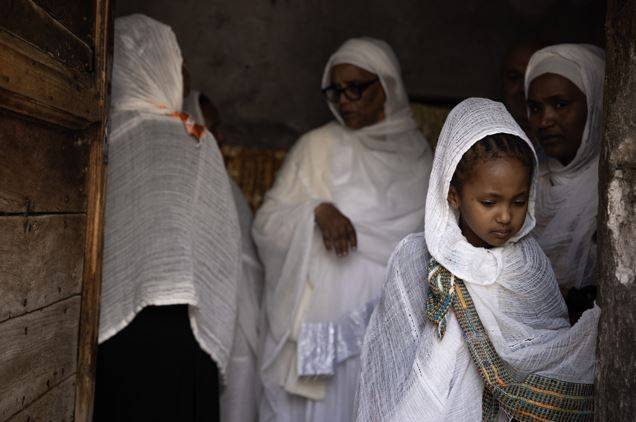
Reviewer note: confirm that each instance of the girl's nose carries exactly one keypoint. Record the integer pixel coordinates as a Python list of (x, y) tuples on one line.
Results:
[(504, 216)]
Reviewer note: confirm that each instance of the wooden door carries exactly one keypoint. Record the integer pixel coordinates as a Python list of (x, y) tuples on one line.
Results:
[(54, 57)]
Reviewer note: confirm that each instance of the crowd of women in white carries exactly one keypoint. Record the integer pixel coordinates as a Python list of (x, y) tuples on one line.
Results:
[(306, 314)]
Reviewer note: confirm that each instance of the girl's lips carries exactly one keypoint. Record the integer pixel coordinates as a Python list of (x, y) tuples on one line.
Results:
[(501, 234)]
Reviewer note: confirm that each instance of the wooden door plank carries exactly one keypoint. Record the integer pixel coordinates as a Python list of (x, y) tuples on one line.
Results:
[(40, 261), (37, 352), (77, 16), (44, 88), (32, 23), (56, 405), (96, 188), (42, 168)]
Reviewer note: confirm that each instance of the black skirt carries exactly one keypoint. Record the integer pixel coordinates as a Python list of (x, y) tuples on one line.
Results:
[(154, 370)]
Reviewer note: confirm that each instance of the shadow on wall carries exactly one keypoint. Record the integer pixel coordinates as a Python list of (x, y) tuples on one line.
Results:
[(261, 61)]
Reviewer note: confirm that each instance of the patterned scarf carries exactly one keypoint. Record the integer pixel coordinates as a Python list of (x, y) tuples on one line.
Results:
[(535, 398)]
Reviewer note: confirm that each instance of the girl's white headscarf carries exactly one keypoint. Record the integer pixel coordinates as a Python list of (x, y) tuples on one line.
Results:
[(398, 131), (470, 121), (171, 234), (408, 373), (567, 199)]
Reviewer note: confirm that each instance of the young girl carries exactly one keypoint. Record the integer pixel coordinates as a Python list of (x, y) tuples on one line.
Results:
[(564, 87), (471, 325)]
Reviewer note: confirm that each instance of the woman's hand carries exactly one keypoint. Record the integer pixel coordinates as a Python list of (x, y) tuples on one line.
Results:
[(337, 230)]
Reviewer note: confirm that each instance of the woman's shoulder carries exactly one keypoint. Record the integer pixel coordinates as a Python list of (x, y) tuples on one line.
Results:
[(314, 145), (317, 137), (139, 123)]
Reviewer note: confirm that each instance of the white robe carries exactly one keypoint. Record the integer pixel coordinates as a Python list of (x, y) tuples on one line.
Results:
[(316, 304), (408, 373), (171, 232)]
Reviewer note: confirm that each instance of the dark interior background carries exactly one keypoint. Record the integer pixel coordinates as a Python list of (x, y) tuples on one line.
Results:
[(260, 61)]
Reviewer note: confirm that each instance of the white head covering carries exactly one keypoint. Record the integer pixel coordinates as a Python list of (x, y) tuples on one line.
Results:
[(390, 134), (584, 66), (408, 373), (567, 200), (470, 121), (146, 66), (171, 234)]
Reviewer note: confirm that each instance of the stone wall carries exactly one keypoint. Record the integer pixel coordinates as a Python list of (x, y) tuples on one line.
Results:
[(261, 61)]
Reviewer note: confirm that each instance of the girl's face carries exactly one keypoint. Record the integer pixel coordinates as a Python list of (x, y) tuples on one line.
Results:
[(558, 112), (493, 201)]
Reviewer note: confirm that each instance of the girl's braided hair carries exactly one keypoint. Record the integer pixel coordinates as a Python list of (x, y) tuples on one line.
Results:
[(493, 147)]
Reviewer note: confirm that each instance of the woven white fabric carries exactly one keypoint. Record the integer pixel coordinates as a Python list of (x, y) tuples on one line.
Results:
[(377, 177), (171, 233), (567, 198), (408, 374), (239, 401)]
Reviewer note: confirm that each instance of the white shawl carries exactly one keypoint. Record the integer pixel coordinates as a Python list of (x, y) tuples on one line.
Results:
[(251, 279), (408, 374), (171, 233), (377, 176), (567, 198)]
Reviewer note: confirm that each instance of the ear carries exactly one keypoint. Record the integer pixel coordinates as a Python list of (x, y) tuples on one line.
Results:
[(453, 197)]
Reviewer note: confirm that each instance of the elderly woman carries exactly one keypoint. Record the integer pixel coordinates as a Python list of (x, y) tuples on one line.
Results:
[(171, 247), (564, 86), (348, 192)]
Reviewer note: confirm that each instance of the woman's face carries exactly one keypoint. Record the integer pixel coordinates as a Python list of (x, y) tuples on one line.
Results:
[(369, 109), (493, 201), (557, 115)]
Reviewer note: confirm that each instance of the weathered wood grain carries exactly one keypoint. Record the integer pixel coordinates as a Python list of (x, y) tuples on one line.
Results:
[(54, 406), (44, 88), (96, 187), (38, 350), (32, 23), (75, 15), (42, 168), (40, 261)]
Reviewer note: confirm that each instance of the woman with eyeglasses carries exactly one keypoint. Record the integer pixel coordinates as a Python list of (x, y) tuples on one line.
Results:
[(348, 193)]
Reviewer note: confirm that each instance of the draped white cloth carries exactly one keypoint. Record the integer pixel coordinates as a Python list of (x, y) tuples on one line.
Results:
[(408, 373), (567, 198), (376, 176), (171, 233), (239, 401)]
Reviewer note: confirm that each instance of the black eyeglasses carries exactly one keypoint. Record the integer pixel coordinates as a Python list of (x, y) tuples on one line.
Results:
[(353, 91)]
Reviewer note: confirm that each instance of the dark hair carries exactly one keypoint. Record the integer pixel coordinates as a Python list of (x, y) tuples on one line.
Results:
[(493, 147), (207, 105)]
